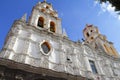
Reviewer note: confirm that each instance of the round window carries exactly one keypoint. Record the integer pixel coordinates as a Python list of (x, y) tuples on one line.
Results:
[(45, 47)]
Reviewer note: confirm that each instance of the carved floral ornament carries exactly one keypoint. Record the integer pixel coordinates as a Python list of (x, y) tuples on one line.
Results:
[(88, 50), (45, 47)]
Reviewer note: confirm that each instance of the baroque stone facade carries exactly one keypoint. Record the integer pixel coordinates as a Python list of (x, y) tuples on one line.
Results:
[(40, 50)]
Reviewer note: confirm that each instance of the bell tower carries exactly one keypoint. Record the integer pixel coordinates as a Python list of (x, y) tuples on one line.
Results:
[(44, 17), (35, 41), (98, 41)]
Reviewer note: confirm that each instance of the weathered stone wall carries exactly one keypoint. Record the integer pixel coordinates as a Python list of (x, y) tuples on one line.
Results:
[(23, 45)]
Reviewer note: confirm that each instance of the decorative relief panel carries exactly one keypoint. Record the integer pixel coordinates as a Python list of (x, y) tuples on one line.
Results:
[(25, 50), (69, 68), (24, 34), (12, 42), (15, 30), (5, 54), (44, 62), (88, 50), (18, 58), (19, 45)]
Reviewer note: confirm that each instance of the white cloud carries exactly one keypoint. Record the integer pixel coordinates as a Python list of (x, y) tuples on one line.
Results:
[(110, 8), (95, 3), (119, 17), (107, 7)]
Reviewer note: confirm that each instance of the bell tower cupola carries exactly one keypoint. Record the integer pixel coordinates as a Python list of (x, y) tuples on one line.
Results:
[(44, 17), (90, 33)]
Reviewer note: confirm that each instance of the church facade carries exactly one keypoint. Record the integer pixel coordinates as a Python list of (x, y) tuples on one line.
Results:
[(38, 49)]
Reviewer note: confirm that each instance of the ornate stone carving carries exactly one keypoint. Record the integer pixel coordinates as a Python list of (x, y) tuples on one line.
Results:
[(12, 42)]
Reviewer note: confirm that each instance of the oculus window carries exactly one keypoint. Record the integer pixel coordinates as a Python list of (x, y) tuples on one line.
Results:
[(45, 47)]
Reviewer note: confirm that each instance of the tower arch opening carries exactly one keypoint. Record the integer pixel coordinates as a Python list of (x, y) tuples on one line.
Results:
[(40, 22), (52, 27)]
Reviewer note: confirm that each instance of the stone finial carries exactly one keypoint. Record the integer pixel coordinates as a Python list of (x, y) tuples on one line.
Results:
[(23, 18), (64, 33)]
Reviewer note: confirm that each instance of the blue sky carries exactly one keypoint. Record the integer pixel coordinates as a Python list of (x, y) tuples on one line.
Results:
[(75, 14)]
